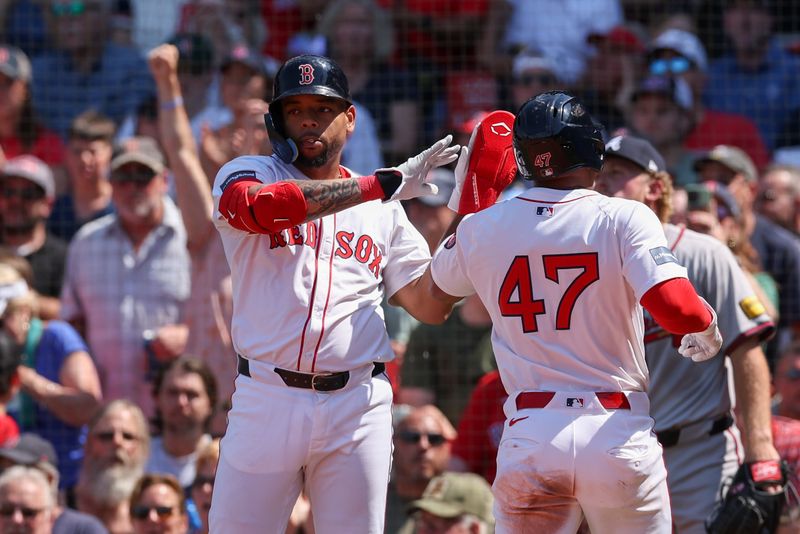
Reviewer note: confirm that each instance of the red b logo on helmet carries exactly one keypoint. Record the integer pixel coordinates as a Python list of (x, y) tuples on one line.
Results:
[(306, 74)]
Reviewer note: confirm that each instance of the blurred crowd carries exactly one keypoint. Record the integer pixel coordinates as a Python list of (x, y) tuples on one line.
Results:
[(116, 363)]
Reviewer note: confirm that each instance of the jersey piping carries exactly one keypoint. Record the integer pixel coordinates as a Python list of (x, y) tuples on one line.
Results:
[(536, 201), (327, 300), (313, 293)]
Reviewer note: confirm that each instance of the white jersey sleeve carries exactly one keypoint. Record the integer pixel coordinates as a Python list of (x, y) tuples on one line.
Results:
[(408, 255), (646, 258), (448, 269)]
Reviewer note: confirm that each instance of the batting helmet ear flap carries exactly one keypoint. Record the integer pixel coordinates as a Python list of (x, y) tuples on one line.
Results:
[(286, 149)]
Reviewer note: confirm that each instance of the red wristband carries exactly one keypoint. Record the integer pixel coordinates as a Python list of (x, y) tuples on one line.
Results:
[(370, 188)]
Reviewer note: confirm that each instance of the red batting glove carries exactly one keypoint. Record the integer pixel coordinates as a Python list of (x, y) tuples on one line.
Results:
[(485, 167)]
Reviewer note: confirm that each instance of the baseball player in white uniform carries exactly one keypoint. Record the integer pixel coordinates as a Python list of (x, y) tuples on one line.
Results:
[(691, 403), (562, 271), (311, 407)]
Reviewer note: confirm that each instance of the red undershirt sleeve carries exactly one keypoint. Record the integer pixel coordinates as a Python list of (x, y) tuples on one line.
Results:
[(675, 305)]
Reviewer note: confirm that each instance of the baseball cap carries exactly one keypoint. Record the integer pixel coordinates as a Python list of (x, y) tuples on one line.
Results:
[(248, 57), (14, 63), (451, 495), (30, 449), (636, 150), (32, 169), (445, 180), (142, 150), (684, 43), (733, 158), (196, 53), (527, 60), (12, 291), (676, 89)]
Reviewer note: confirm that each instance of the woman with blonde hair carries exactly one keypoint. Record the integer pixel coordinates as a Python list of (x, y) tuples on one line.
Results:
[(59, 379)]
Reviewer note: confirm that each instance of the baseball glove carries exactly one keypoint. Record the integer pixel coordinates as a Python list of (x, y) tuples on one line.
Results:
[(748, 508)]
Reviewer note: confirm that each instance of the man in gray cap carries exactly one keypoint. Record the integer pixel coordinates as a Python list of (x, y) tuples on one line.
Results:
[(454, 503), (137, 256), (691, 404), (27, 192)]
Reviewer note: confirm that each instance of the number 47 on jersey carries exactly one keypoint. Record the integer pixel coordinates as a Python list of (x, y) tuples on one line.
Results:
[(518, 279)]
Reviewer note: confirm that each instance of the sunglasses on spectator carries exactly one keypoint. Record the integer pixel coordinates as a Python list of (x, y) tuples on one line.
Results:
[(108, 436), (8, 510), (25, 194), (530, 79), (142, 511), (139, 178), (409, 436), (675, 65), (72, 9), (200, 481)]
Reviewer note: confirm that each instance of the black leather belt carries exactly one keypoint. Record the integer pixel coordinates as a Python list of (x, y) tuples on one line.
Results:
[(315, 381), (670, 437)]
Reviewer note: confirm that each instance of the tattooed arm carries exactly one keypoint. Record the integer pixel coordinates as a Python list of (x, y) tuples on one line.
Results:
[(324, 197)]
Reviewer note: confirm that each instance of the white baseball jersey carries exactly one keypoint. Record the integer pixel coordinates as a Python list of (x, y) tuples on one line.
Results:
[(309, 298), (703, 387), (561, 273)]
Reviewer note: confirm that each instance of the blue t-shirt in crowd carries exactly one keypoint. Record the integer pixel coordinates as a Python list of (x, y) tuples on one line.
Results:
[(59, 340)]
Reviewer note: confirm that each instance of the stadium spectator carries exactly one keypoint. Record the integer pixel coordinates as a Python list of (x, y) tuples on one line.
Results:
[(20, 131), (88, 163), (27, 502), (454, 503), (32, 451), (10, 360), (203, 484), (563, 37), (244, 87), (661, 112), (778, 196), (59, 379), (713, 210), (481, 426), (786, 380), (531, 74), (138, 257), (360, 39), (159, 505), (85, 70), (778, 249), (208, 310), (154, 21), (27, 192), (185, 394), (116, 448), (421, 451), (757, 77), (611, 74), (680, 53)]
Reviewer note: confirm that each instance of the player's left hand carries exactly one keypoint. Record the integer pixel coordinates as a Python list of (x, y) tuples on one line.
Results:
[(701, 346), (414, 172)]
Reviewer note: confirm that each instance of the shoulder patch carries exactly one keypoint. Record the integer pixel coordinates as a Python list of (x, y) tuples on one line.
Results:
[(752, 307), (662, 255), (234, 176), (451, 242)]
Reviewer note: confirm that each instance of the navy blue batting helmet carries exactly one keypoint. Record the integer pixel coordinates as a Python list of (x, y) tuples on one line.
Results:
[(554, 134)]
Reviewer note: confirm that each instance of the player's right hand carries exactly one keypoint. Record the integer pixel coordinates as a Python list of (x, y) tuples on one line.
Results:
[(701, 346), (415, 170)]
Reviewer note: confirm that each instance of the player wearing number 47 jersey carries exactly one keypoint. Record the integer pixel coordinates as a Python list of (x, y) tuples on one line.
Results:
[(562, 271), (312, 406)]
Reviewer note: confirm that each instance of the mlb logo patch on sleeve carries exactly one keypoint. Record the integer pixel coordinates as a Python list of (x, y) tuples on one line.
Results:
[(662, 255), (752, 307), (546, 211)]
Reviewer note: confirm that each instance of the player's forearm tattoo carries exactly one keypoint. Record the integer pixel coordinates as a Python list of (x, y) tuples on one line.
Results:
[(324, 197)]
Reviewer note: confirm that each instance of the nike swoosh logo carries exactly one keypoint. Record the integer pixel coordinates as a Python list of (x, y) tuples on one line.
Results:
[(517, 420), (231, 214)]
